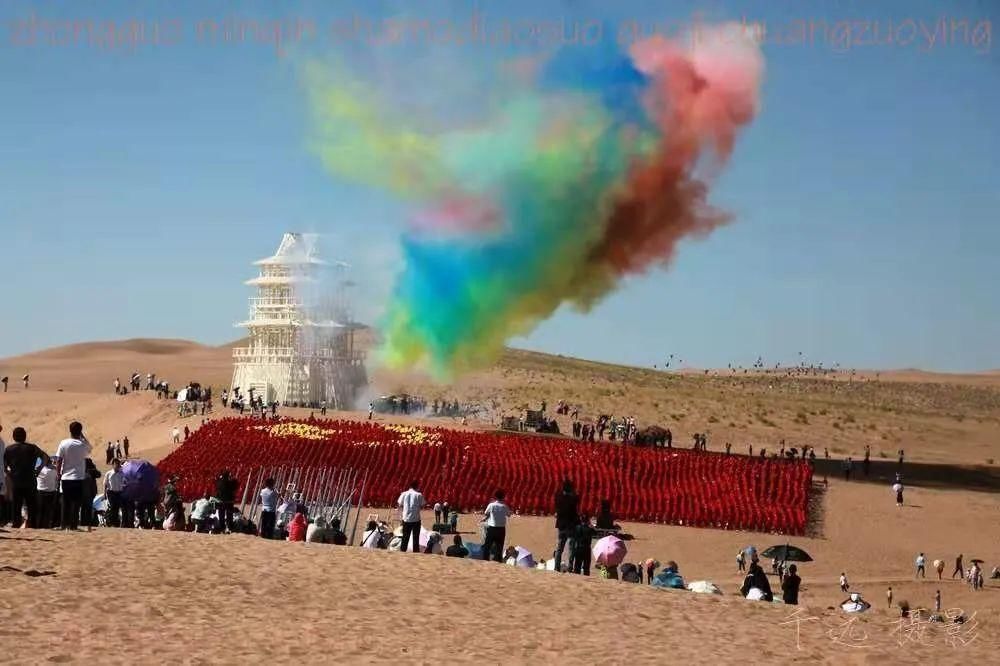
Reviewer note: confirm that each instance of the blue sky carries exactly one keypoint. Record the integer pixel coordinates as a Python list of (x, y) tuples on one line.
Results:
[(136, 186)]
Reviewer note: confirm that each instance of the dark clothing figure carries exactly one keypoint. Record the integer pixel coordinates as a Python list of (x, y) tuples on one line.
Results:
[(790, 589), (72, 499), (87, 516), (225, 492), (411, 531), (20, 460), (757, 578), (567, 517), (583, 535), (267, 522), (493, 543)]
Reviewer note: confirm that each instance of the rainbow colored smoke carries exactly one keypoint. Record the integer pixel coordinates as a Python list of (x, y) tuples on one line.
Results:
[(583, 177)]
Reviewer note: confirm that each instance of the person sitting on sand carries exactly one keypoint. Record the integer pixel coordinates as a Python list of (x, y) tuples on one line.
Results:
[(316, 532), (670, 577), (372, 537), (335, 533), (201, 513), (756, 579), (605, 520), (297, 528), (855, 604), (457, 548), (174, 522), (995, 574)]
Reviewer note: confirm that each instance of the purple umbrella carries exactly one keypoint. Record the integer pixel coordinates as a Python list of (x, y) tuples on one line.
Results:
[(142, 481), (610, 551)]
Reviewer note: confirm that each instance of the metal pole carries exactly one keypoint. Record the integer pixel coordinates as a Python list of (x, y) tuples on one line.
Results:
[(357, 513), (244, 487)]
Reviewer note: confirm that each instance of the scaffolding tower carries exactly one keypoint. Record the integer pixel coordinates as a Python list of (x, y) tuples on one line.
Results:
[(300, 345)]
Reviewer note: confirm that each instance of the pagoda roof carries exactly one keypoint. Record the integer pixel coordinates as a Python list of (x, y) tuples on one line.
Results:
[(296, 249)]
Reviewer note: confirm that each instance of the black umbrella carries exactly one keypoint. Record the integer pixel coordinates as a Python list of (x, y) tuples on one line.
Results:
[(978, 561), (786, 553)]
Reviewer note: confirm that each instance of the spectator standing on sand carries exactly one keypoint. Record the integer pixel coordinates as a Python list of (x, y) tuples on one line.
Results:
[(4, 381), (496, 515), (371, 410), (898, 488), (225, 492), (48, 494), (114, 486), (109, 454), (583, 535), (867, 462), (741, 561), (72, 469), (790, 586), (118, 386), (26, 379), (937, 601), (437, 513), (125, 446), (567, 518), (921, 566), (176, 435), (187, 433), (888, 597), (268, 509), (19, 462), (959, 567), (844, 585), (410, 503)]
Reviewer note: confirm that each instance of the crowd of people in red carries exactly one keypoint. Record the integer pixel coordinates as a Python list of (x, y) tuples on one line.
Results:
[(677, 486)]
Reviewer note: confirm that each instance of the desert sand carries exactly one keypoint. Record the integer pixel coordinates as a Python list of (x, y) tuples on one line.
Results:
[(235, 599)]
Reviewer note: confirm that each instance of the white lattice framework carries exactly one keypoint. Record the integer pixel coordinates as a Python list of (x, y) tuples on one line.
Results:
[(300, 350)]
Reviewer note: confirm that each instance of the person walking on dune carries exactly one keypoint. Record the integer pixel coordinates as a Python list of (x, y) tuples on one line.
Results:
[(176, 433), (959, 568), (888, 597), (410, 502), (921, 566)]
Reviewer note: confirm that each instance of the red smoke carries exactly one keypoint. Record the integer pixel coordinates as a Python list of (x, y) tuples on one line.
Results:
[(699, 99)]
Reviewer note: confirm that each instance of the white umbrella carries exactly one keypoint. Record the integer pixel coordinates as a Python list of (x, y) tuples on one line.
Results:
[(755, 594)]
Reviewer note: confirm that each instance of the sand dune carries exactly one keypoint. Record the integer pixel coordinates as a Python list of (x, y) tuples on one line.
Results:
[(195, 598)]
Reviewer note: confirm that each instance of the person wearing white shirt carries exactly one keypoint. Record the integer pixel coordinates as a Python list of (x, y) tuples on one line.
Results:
[(410, 503), (114, 486), (495, 517), (48, 494), (72, 469), (921, 566), (268, 509)]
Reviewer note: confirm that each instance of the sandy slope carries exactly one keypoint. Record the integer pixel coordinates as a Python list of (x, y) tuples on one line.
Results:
[(195, 598)]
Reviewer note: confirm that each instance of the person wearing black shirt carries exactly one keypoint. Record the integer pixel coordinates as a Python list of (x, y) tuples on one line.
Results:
[(20, 460), (225, 492), (457, 548), (790, 586), (567, 518), (583, 534)]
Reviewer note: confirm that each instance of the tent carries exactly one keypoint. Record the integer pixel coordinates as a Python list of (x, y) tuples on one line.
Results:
[(142, 481)]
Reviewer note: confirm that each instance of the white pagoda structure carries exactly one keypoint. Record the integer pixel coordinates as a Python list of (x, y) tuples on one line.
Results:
[(300, 347)]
